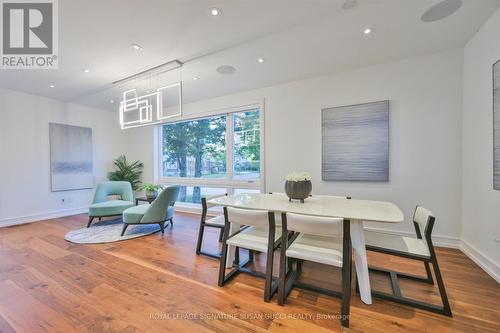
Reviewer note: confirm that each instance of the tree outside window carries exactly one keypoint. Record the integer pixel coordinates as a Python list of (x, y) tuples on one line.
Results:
[(198, 149)]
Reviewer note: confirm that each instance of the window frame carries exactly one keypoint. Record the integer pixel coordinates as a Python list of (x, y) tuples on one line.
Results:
[(228, 182)]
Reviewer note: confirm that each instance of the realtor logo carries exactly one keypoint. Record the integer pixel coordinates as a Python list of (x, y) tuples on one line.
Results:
[(29, 34)]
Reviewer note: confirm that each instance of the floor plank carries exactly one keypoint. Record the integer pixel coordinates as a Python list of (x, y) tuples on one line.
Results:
[(158, 284)]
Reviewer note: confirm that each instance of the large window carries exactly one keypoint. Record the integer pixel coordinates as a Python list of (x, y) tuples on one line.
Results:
[(212, 155)]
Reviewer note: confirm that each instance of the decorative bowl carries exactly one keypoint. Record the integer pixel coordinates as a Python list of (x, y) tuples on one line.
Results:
[(298, 190)]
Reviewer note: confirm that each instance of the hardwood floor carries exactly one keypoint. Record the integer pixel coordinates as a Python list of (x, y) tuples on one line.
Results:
[(158, 284)]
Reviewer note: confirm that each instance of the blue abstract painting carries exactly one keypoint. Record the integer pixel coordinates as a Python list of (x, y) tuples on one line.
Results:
[(71, 163), (355, 142)]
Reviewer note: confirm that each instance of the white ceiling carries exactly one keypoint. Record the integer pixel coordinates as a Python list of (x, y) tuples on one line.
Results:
[(297, 39)]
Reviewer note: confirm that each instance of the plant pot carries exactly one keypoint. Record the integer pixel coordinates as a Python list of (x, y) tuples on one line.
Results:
[(298, 190), (151, 194)]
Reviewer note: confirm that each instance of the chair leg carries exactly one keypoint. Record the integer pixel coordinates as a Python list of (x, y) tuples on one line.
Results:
[(125, 226), (100, 218), (442, 290), (428, 271), (162, 227), (91, 218), (200, 237), (222, 266), (221, 233), (346, 284), (299, 266), (282, 277), (346, 296), (251, 255), (269, 276), (171, 222), (237, 256)]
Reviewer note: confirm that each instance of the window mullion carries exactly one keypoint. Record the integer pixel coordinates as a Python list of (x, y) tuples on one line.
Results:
[(229, 146)]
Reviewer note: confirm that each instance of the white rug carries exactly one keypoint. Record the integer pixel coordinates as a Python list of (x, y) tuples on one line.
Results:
[(109, 231)]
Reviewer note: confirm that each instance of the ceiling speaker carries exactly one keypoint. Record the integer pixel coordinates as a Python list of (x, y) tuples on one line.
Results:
[(349, 4), (225, 69), (441, 10)]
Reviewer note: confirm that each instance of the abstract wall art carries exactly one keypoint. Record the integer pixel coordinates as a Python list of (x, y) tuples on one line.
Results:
[(355, 142), (71, 165), (496, 125)]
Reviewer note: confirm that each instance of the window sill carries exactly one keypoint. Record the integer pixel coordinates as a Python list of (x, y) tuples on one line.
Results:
[(190, 208)]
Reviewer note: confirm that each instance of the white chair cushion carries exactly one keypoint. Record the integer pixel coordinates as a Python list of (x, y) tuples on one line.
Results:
[(256, 218), (314, 225), (397, 243), (321, 249), (218, 220), (253, 238)]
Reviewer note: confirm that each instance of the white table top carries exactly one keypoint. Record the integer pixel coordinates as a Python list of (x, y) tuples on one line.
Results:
[(317, 205)]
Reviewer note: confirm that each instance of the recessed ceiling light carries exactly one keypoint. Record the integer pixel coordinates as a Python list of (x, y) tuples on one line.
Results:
[(111, 101), (215, 11), (261, 60), (225, 69), (136, 47), (195, 78), (86, 70), (148, 91), (52, 86), (367, 31), (441, 10)]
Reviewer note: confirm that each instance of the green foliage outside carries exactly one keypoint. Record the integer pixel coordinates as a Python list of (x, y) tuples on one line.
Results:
[(204, 139), (247, 142)]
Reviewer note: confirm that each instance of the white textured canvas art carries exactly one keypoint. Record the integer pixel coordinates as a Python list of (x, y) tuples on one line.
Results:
[(355, 142), (71, 166)]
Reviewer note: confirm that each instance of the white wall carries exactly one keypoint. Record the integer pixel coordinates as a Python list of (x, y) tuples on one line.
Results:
[(480, 203), (24, 149), (425, 152)]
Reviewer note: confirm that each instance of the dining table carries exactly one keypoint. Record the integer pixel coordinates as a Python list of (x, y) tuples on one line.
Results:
[(355, 210)]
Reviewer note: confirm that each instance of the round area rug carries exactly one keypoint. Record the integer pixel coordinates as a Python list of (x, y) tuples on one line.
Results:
[(109, 231)]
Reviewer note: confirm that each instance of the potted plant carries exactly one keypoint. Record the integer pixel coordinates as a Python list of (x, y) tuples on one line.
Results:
[(298, 185), (151, 190), (126, 171)]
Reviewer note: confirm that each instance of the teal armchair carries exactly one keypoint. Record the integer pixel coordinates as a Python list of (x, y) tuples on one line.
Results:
[(102, 207), (158, 212)]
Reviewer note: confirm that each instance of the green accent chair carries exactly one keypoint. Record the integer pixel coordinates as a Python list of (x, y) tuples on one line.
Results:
[(158, 212), (102, 207)]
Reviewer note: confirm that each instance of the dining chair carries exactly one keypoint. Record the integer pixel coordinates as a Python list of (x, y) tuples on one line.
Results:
[(214, 222), (258, 234), (420, 248), (321, 240)]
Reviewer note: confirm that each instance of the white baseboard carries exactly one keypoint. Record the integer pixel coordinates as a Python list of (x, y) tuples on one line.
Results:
[(486, 263), (42, 216)]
